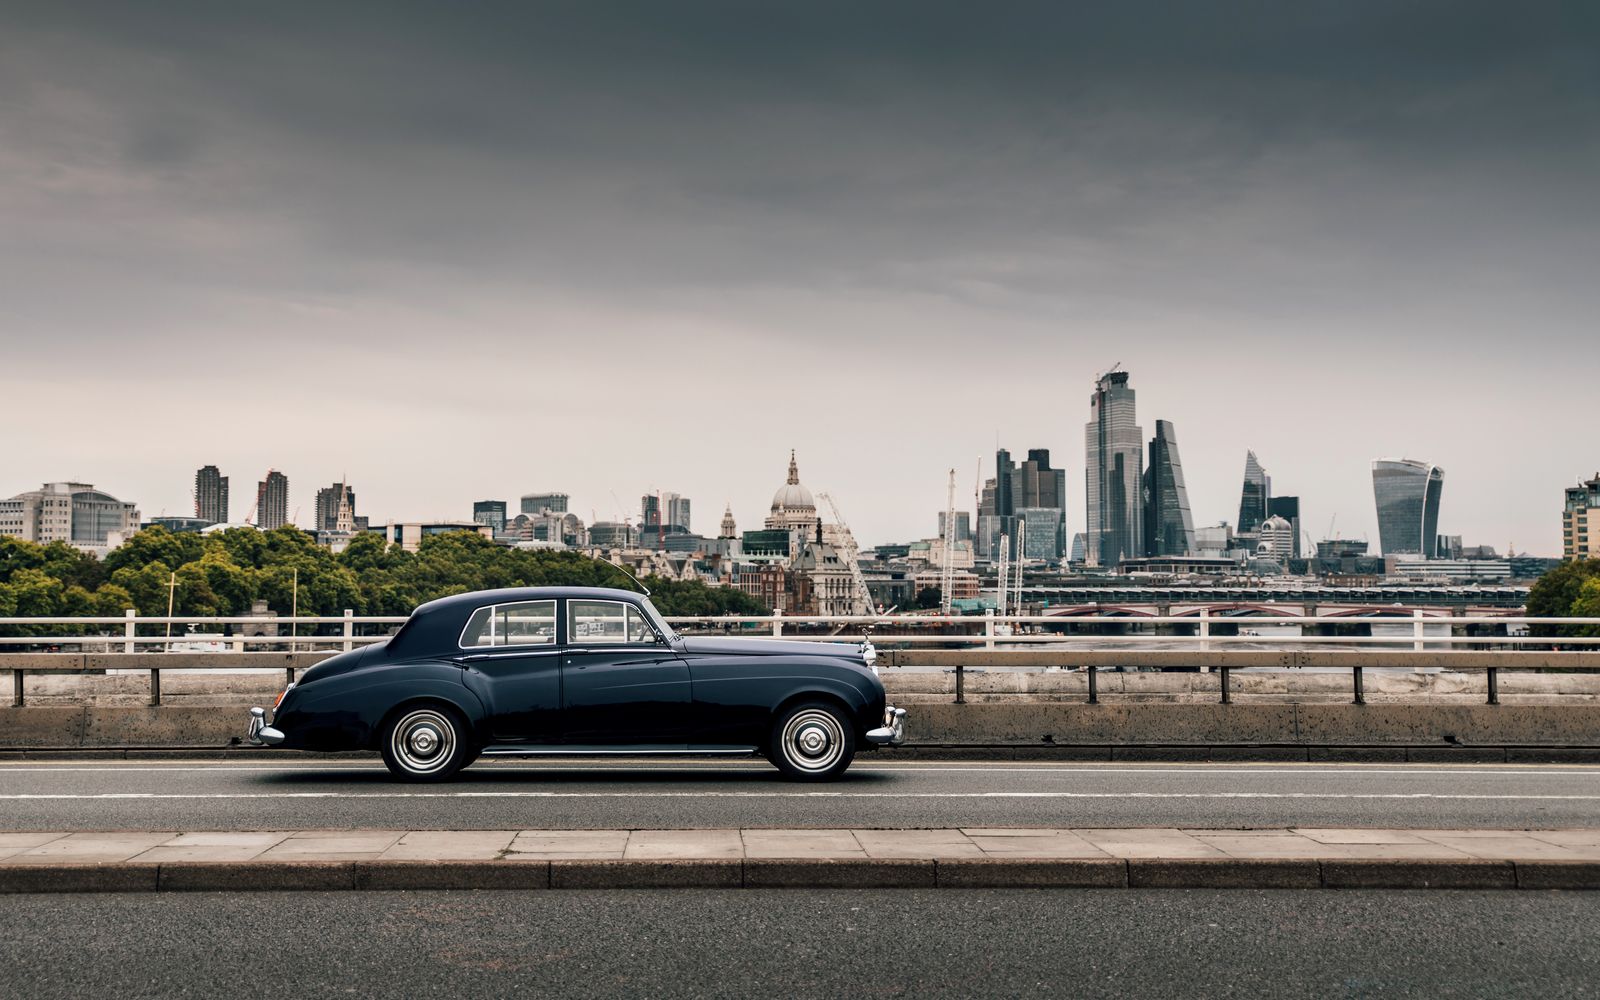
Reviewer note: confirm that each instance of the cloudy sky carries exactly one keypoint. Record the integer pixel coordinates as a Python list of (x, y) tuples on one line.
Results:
[(461, 251)]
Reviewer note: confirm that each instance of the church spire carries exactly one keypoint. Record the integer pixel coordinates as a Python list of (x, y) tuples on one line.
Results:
[(794, 470)]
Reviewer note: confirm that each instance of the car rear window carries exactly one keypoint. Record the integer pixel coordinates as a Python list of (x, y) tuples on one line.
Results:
[(527, 623)]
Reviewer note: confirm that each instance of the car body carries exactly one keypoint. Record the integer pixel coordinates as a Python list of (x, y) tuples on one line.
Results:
[(581, 670)]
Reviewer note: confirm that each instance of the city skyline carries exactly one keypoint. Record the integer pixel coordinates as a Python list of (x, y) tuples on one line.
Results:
[(353, 269)]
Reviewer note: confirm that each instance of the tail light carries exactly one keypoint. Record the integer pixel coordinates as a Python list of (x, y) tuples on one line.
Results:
[(281, 695)]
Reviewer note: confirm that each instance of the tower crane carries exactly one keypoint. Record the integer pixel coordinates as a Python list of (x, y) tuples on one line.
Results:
[(947, 573), (861, 604)]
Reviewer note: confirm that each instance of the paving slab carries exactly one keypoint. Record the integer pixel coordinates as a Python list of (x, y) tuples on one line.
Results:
[(16, 843), (568, 845), (1152, 843), (450, 845), (88, 848), (1568, 838), (347, 845), (1059, 844), (213, 847), (801, 844), (941, 844), (667, 845), (1516, 848), (1337, 836)]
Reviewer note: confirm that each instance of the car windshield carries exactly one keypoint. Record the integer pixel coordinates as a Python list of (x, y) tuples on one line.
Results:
[(656, 619)]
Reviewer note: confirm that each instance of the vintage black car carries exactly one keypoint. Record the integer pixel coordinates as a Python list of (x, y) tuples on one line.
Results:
[(577, 670)]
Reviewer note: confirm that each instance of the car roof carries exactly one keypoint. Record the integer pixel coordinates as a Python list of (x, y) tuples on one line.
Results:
[(437, 624)]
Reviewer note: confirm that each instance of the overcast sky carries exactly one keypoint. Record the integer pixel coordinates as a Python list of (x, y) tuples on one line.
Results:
[(468, 251)]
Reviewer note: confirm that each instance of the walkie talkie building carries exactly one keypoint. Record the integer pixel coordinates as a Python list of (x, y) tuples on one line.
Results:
[(1407, 493)]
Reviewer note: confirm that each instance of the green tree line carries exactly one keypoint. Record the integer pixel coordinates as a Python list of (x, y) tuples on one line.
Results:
[(1570, 590), (224, 572)]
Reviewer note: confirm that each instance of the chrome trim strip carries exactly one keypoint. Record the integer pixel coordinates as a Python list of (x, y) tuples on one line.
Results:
[(596, 752)]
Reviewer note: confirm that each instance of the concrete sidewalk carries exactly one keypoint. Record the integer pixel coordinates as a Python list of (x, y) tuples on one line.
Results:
[(528, 859)]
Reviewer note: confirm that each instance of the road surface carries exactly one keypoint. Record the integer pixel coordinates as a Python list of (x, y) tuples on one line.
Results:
[(342, 794)]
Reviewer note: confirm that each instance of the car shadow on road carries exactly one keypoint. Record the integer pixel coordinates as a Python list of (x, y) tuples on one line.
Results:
[(631, 774)]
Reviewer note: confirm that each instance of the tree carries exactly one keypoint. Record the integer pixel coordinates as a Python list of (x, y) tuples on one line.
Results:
[(929, 597), (1558, 592)]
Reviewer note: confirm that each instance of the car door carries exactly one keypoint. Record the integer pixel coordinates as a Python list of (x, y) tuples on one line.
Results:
[(512, 662), (622, 684)]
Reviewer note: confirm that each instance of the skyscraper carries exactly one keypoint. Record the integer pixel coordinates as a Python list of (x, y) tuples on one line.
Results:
[(673, 508), (1114, 451), (492, 513), (211, 495), (1168, 523), (1407, 494), (272, 501), (1253, 497), (1288, 508)]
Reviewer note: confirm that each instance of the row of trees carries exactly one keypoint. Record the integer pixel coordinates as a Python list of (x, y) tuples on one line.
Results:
[(1570, 590), (225, 572)]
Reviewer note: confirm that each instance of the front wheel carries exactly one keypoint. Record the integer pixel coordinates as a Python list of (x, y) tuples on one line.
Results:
[(426, 743), (812, 741)]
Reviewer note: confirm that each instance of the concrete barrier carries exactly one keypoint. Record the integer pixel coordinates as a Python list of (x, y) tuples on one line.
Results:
[(1016, 724)]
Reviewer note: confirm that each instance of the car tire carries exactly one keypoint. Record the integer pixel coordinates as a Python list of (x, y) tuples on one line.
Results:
[(812, 741), (426, 742)]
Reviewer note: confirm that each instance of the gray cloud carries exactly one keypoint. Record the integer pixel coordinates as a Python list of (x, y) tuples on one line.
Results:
[(1388, 209)]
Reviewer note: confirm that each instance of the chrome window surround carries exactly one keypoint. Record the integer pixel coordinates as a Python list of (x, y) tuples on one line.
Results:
[(492, 609), (629, 611)]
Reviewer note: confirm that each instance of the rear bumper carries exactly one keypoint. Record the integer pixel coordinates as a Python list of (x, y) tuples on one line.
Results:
[(260, 733), (893, 731)]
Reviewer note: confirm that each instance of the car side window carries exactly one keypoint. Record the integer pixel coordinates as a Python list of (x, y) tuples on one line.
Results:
[(606, 623), (528, 623)]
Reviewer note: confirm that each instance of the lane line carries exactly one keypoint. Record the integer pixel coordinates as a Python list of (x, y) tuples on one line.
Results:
[(57, 796)]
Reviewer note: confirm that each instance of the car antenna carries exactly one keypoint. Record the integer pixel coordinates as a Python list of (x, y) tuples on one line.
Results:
[(635, 579)]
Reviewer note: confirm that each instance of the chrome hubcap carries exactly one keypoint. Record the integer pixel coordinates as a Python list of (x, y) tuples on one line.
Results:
[(423, 741), (813, 740)]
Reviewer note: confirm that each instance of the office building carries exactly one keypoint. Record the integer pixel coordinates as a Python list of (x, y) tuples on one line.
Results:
[(272, 501), (1407, 493), (1275, 540), (1253, 496), (1580, 521), (612, 535), (491, 513), (1288, 508), (963, 532), (672, 508), (541, 503), (1114, 450), (1168, 523), (409, 535), (74, 513), (1040, 530), (211, 495)]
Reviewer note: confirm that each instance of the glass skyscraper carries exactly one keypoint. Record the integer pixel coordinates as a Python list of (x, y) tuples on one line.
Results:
[(1114, 472), (1407, 494), (1253, 496), (1168, 524)]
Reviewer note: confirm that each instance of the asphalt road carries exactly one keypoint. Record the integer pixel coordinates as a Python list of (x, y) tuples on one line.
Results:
[(296, 794), (718, 943)]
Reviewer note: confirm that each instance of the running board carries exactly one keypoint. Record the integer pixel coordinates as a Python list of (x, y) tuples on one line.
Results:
[(624, 751)]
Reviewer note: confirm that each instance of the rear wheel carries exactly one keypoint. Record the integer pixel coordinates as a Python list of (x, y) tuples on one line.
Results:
[(426, 743), (812, 741)]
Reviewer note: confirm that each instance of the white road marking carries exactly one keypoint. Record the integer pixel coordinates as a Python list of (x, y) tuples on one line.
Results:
[(769, 795)]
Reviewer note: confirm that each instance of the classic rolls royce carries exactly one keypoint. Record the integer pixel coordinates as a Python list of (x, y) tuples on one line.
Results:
[(544, 671)]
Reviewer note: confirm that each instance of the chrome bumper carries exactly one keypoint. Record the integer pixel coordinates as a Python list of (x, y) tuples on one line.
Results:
[(261, 734), (893, 731)]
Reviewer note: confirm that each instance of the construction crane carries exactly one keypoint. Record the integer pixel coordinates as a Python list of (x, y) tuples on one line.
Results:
[(1002, 575), (862, 602), (1022, 537), (947, 573)]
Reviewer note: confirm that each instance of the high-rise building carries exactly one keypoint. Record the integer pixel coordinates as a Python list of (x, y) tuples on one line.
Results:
[(1276, 540), (1580, 521), (492, 513), (211, 495), (1114, 450), (1168, 522), (75, 513), (963, 526), (272, 501), (330, 499), (544, 503), (1288, 508), (1253, 497), (1039, 528), (670, 507), (1407, 494)]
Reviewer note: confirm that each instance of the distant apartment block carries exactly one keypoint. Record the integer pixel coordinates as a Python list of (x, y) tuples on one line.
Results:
[(75, 513), (272, 501), (211, 495), (1580, 521)]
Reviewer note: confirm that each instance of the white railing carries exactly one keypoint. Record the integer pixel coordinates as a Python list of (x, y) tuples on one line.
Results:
[(988, 631)]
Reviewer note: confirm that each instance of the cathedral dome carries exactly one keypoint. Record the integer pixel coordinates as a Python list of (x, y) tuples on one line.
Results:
[(791, 496)]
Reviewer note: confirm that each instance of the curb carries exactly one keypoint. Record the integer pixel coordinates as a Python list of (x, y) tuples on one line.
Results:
[(803, 873)]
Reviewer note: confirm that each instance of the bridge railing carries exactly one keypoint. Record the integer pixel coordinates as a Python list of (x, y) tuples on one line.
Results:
[(968, 642)]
